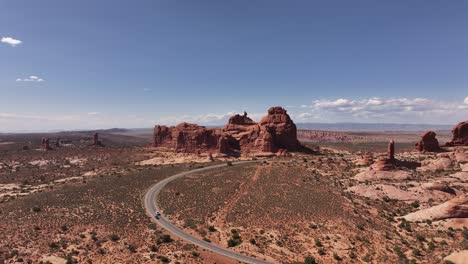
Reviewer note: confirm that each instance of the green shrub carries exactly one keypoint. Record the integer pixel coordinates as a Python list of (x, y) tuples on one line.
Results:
[(337, 257), (310, 260), (132, 248)]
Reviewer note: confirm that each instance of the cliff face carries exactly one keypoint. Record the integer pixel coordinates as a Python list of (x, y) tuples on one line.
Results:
[(275, 132)]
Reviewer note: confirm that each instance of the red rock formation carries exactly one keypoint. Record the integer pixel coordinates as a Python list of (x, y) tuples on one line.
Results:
[(96, 141), (57, 142), (428, 142), (388, 163), (45, 144), (459, 135), (275, 133), (391, 151)]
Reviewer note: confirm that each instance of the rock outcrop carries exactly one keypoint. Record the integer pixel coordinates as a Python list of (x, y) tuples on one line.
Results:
[(388, 163), (428, 142), (45, 144), (454, 208), (459, 135), (96, 141), (275, 133)]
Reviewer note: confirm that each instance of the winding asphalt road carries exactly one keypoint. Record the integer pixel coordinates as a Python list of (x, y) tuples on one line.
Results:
[(152, 207)]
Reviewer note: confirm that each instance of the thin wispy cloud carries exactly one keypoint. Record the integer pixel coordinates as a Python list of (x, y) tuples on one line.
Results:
[(147, 90), (32, 78), (11, 41)]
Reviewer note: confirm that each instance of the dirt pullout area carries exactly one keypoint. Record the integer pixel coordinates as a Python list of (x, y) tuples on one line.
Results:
[(100, 220)]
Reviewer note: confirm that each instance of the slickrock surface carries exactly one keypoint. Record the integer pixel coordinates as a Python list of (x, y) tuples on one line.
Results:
[(454, 208)]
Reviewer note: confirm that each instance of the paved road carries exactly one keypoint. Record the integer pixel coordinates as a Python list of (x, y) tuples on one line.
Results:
[(151, 207)]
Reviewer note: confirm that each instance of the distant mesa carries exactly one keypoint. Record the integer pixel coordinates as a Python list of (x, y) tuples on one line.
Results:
[(275, 133), (459, 134), (428, 143)]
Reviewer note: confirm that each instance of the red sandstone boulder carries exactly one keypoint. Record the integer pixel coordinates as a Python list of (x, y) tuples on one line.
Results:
[(275, 133), (428, 142), (45, 144), (459, 134)]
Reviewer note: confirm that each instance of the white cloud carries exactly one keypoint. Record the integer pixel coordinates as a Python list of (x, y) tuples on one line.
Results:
[(32, 78), (206, 119), (11, 41), (378, 109), (466, 100)]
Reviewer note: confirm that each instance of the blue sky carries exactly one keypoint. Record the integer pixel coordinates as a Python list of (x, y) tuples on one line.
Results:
[(100, 64)]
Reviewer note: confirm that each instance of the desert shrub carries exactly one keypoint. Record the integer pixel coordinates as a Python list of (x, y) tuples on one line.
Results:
[(234, 242), (166, 239), (321, 251), (310, 260), (400, 254), (367, 258), (464, 244), (153, 248), (54, 245), (415, 204), (188, 247), (190, 223), (164, 259), (132, 248), (352, 255), (36, 209), (420, 238), (229, 163), (212, 228), (114, 237), (405, 225), (430, 246), (337, 257), (252, 241), (318, 243)]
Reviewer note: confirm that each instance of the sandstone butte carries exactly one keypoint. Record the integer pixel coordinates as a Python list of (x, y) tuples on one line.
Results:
[(275, 133), (428, 142), (459, 134)]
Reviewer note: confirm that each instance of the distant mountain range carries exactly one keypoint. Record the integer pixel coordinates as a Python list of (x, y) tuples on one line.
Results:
[(341, 127), (371, 127)]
